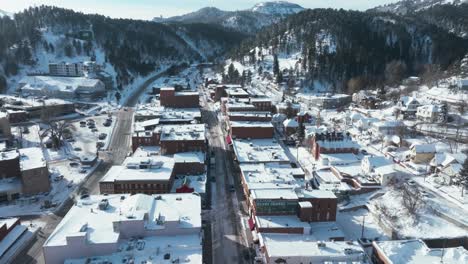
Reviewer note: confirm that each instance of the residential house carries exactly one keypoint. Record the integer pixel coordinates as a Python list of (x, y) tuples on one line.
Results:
[(422, 153)]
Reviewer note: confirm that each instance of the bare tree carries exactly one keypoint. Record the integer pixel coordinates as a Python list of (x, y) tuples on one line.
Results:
[(412, 199), (56, 131)]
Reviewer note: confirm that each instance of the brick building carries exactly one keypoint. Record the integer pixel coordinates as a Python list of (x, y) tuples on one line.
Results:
[(172, 138), (24, 171), (331, 143), (170, 98), (151, 174), (182, 138), (249, 116), (309, 205), (262, 104), (248, 129)]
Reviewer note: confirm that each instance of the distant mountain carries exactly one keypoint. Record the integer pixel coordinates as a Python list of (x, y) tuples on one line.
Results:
[(246, 21), (277, 8), (5, 13), (411, 6)]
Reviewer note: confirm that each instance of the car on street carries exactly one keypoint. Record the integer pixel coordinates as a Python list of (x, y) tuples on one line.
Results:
[(231, 188), (77, 149), (83, 171)]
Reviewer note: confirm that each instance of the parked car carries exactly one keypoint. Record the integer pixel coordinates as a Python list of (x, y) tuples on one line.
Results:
[(77, 149), (99, 144), (83, 170), (102, 136), (94, 130), (74, 164), (232, 189)]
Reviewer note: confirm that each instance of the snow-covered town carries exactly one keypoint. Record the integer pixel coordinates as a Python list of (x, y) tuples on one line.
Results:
[(258, 151)]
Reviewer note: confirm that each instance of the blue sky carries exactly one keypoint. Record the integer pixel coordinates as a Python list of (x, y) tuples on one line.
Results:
[(147, 9)]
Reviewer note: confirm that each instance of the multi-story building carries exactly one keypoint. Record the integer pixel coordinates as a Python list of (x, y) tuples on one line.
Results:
[(143, 173), (170, 98), (415, 252), (172, 138), (331, 143), (66, 69), (249, 129), (127, 228), (24, 171), (300, 249), (182, 138)]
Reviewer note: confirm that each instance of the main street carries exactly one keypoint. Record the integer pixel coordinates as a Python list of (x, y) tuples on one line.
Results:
[(228, 242)]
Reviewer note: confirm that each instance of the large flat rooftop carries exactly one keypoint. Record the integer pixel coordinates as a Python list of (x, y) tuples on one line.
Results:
[(85, 219), (259, 151), (179, 247), (183, 132), (305, 246), (141, 168), (272, 173), (416, 251)]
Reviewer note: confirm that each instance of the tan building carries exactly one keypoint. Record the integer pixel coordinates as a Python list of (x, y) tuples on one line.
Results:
[(34, 171), (5, 127), (422, 153)]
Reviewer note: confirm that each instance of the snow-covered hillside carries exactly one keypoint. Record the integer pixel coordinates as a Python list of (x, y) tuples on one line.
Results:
[(5, 13), (277, 8), (405, 6)]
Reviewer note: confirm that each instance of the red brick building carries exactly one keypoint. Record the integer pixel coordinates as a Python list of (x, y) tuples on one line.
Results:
[(253, 130), (309, 206), (170, 98), (7, 225), (150, 175), (250, 116), (182, 138), (331, 143), (172, 138), (262, 104)]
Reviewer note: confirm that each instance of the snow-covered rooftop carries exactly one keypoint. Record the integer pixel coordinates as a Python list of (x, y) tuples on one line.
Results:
[(259, 151), (416, 251), (183, 132), (139, 168), (289, 245), (32, 158), (267, 194), (154, 212), (183, 248), (58, 83), (251, 124)]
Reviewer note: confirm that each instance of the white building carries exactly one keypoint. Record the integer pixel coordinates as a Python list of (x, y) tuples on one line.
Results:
[(388, 128), (300, 249), (408, 105), (61, 87), (116, 226), (415, 252), (370, 163), (74, 69), (429, 113)]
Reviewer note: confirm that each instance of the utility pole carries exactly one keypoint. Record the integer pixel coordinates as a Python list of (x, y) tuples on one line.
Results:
[(363, 225)]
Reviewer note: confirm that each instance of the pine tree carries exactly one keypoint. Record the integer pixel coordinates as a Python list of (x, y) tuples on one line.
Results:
[(276, 69), (462, 177)]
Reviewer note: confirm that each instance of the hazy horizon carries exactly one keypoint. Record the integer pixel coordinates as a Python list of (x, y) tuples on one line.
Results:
[(148, 9)]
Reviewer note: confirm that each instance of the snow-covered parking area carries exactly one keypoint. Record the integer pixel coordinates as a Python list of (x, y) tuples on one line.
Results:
[(87, 132)]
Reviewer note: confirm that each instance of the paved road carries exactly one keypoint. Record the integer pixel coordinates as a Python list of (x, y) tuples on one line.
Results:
[(227, 241)]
